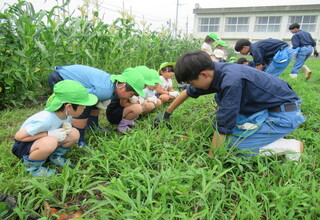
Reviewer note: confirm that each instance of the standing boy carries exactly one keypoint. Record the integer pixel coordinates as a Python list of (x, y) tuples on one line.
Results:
[(264, 54), (47, 135), (302, 43), (101, 84), (256, 110), (208, 41)]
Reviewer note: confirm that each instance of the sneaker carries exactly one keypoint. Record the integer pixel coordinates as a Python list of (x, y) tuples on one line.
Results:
[(82, 144), (297, 149), (308, 75), (60, 161)]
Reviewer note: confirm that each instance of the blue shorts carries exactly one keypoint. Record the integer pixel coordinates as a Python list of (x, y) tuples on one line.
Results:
[(114, 111), (22, 148)]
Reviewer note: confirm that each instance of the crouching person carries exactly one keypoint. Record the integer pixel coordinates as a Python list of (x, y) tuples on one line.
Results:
[(47, 135), (256, 110)]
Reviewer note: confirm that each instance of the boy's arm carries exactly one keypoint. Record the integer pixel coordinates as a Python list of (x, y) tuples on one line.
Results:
[(175, 104), (22, 135), (259, 67), (217, 141), (178, 101)]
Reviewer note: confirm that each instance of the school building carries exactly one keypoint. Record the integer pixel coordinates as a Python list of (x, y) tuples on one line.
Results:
[(256, 23)]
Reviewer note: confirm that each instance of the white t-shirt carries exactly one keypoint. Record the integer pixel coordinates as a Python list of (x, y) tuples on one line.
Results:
[(166, 84), (43, 121), (149, 93), (207, 47)]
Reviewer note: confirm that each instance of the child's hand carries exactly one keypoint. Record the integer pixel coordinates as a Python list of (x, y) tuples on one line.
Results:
[(67, 127), (60, 134), (134, 99)]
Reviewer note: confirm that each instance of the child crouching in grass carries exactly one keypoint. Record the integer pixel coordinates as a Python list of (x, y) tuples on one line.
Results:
[(151, 79), (47, 135), (151, 101), (165, 91), (120, 111)]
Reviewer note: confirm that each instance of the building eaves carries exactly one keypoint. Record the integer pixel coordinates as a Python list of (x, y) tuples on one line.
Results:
[(314, 7)]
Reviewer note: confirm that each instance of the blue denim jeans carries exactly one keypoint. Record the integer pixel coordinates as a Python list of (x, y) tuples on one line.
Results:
[(274, 126), (303, 54), (276, 71)]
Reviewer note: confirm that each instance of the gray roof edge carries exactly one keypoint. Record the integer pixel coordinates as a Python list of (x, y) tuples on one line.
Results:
[(313, 7)]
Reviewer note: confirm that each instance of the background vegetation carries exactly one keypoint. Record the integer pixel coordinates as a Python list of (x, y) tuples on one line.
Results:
[(149, 173), (32, 43)]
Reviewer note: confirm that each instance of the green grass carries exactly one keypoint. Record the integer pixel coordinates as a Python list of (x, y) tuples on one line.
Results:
[(167, 174)]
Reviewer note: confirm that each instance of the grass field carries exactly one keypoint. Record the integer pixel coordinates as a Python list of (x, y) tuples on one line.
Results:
[(167, 174)]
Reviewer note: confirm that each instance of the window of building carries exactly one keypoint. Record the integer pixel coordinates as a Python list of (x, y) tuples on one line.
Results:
[(307, 23), (237, 24), (209, 24), (268, 24)]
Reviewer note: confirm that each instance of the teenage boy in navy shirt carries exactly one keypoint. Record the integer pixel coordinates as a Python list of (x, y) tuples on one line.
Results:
[(256, 110), (263, 53), (302, 43)]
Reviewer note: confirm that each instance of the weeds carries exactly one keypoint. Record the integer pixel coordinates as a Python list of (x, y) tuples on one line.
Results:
[(150, 173)]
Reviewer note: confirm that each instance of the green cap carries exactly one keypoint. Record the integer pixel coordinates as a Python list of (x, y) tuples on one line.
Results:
[(214, 36), (145, 71), (134, 78), (155, 76), (165, 64), (69, 91), (232, 58), (221, 43)]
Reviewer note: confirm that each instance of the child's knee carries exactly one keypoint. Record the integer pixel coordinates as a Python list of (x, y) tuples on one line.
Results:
[(74, 134), (135, 109), (164, 98)]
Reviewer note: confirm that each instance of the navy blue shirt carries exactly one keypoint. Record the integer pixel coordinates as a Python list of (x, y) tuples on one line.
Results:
[(302, 38), (245, 90), (264, 50)]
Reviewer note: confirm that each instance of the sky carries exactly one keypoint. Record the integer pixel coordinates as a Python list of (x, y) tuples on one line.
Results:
[(158, 12)]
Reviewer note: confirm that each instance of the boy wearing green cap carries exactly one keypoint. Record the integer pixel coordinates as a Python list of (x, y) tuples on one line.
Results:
[(220, 45), (120, 111), (232, 60), (164, 90), (208, 41), (101, 84), (151, 100), (47, 135)]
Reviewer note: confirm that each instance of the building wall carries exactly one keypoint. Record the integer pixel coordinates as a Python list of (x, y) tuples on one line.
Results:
[(232, 37)]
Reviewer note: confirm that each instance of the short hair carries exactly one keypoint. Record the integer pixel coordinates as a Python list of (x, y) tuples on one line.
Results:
[(294, 25), (240, 44), (191, 64), (129, 88), (74, 106), (208, 39), (242, 60)]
